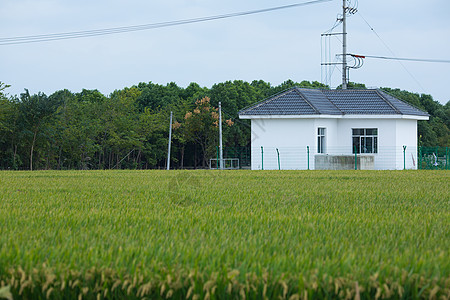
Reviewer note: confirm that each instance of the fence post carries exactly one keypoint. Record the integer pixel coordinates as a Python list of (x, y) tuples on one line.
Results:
[(437, 157), (307, 151), (217, 161), (446, 157), (356, 158), (404, 157), (262, 158), (278, 154), (419, 159)]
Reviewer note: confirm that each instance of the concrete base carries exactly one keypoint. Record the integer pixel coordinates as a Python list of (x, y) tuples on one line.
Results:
[(344, 162)]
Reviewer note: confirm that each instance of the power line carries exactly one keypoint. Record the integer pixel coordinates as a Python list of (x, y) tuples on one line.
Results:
[(392, 52), (116, 30), (405, 59)]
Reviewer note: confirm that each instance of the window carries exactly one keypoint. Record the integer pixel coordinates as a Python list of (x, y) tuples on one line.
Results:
[(320, 140), (365, 140)]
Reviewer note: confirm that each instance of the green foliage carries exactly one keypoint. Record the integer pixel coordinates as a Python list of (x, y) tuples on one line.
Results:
[(35, 118), (3, 86), (156, 96), (226, 234), (201, 126), (128, 129), (9, 114), (353, 85), (436, 131), (153, 127)]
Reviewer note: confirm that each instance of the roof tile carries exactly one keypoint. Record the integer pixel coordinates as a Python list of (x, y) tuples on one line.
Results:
[(299, 101)]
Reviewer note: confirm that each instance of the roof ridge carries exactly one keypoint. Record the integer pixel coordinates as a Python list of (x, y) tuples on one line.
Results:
[(388, 102), (306, 101), (297, 89), (264, 101), (403, 101), (325, 95)]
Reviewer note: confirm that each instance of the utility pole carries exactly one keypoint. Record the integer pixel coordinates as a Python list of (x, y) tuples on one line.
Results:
[(346, 11), (170, 141), (344, 45), (220, 137)]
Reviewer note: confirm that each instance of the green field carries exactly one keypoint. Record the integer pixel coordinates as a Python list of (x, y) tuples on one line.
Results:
[(229, 234)]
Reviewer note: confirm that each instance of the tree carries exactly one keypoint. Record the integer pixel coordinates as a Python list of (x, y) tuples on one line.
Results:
[(435, 131), (353, 85), (129, 128), (8, 130), (3, 86), (79, 125), (201, 126), (153, 129), (156, 96), (35, 111), (122, 116)]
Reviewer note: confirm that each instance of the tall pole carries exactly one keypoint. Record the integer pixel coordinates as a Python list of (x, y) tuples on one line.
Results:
[(170, 141), (220, 136), (344, 45)]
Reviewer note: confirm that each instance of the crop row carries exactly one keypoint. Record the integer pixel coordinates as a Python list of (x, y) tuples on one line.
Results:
[(323, 233), (178, 284)]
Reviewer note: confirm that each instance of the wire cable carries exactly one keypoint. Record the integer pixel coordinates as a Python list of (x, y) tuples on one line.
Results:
[(392, 52), (404, 59), (116, 30)]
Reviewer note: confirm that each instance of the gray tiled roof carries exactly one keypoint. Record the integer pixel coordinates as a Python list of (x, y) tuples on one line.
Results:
[(299, 101)]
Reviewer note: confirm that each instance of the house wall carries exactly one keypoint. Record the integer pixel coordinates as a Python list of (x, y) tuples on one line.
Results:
[(292, 136), (387, 154), (331, 134), (406, 134), (392, 135)]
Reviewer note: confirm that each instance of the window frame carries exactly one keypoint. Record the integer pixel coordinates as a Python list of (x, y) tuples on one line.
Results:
[(321, 140), (365, 140)]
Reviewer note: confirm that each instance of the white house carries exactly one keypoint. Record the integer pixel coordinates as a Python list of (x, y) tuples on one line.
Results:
[(321, 129)]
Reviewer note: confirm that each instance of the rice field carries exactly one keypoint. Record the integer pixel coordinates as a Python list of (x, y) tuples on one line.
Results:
[(225, 234)]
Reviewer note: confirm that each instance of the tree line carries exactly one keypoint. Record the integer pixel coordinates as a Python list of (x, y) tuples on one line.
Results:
[(128, 129)]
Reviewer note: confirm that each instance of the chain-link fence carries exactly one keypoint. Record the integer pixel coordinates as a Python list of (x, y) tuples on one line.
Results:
[(434, 158), (339, 158), (241, 157)]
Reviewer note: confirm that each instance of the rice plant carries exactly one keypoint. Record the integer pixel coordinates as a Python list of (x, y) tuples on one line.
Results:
[(212, 234)]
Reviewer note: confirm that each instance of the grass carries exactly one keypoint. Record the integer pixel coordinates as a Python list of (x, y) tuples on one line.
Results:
[(244, 233)]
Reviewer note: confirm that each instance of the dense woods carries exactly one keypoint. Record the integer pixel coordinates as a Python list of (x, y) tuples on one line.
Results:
[(129, 128)]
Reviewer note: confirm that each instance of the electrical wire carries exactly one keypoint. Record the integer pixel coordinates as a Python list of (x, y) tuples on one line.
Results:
[(392, 52), (116, 30), (404, 59), (352, 8)]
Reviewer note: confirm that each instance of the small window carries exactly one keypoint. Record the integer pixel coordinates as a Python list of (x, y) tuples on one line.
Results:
[(320, 140), (365, 140)]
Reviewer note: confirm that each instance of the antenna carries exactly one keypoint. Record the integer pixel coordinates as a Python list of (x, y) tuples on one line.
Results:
[(344, 44), (347, 9)]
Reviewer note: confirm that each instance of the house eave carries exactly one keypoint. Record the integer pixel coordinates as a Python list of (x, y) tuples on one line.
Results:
[(323, 116)]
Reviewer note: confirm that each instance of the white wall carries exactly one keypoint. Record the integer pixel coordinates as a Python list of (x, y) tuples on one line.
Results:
[(331, 134), (392, 135), (292, 136), (387, 154), (406, 134)]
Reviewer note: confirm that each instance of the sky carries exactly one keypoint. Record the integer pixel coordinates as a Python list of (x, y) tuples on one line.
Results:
[(273, 46)]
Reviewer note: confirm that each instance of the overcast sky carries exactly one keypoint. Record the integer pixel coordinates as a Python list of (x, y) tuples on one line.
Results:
[(273, 46)]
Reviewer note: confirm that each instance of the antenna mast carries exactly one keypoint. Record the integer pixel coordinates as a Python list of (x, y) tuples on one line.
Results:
[(344, 45), (348, 8)]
